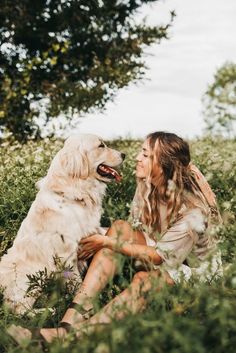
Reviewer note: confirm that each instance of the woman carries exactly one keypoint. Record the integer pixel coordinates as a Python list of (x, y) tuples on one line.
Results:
[(171, 217)]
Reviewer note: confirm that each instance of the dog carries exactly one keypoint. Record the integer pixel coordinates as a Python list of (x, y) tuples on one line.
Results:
[(67, 208)]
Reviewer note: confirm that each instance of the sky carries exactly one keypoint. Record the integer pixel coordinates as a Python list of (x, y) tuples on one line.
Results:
[(202, 38)]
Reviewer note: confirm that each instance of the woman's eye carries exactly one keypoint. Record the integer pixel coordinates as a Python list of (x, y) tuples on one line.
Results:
[(145, 155), (102, 145)]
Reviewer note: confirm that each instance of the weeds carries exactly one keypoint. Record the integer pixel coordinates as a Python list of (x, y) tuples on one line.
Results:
[(191, 318)]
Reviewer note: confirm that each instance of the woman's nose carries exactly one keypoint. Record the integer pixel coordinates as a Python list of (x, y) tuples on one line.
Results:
[(138, 158)]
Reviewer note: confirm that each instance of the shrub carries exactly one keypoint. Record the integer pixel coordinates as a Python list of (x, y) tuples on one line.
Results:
[(187, 318)]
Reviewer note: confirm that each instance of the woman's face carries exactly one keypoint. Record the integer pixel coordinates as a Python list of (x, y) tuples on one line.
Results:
[(143, 161)]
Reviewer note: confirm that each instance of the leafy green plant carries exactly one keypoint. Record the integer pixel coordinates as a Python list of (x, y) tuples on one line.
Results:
[(191, 317), (67, 57), (220, 101)]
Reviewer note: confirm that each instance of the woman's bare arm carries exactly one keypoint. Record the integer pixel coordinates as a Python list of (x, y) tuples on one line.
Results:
[(141, 252), (90, 245)]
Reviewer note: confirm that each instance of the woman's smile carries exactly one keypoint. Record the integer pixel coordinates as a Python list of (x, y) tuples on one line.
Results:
[(143, 161)]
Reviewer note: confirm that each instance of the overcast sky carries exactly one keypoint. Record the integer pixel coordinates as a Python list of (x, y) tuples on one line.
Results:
[(203, 37)]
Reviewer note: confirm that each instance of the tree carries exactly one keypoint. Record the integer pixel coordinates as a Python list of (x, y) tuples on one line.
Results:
[(220, 101), (75, 54)]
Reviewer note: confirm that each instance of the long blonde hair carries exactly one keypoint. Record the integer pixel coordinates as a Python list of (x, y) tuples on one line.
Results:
[(170, 180)]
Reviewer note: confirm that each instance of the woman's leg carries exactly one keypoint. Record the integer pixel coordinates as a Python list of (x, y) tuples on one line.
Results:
[(102, 268), (131, 300)]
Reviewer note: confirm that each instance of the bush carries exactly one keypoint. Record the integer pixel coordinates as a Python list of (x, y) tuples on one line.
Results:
[(187, 318)]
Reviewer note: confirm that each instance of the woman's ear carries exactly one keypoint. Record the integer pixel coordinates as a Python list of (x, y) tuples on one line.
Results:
[(75, 163)]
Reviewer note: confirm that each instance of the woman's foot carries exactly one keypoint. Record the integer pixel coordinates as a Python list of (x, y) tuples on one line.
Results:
[(76, 314), (20, 334), (49, 334), (23, 335)]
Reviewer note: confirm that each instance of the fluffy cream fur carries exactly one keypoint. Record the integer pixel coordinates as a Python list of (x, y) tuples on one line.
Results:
[(67, 208)]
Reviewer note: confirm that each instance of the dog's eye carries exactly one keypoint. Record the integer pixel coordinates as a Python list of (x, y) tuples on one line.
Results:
[(102, 145)]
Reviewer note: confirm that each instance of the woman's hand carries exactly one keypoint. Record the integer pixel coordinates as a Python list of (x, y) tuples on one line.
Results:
[(90, 245)]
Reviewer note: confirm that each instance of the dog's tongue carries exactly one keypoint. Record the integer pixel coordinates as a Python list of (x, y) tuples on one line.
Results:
[(116, 174), (111, 171)]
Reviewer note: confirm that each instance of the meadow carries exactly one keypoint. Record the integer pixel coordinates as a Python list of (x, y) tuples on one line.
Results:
[(189, 317)]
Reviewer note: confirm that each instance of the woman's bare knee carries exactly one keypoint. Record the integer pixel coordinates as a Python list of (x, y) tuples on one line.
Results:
[(121, 224), (120, 229), (140, 283), (168, 279), (140, 277), (146, 281)]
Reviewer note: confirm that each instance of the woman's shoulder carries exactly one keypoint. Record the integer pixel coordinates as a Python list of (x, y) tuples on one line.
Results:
[(196, 219), (192, 216), (193, 202)]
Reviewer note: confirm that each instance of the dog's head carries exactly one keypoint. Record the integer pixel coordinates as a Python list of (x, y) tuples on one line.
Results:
[(86, 155)]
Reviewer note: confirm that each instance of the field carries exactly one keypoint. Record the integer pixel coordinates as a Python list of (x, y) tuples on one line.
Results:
[(187, 318)]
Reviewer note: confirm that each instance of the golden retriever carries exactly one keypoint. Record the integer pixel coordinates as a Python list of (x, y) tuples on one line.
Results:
[(67, 208)]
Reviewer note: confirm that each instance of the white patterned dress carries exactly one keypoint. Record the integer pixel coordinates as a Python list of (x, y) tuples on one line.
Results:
[(189, 239)]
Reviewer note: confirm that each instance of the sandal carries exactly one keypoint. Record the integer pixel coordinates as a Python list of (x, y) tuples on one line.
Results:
[(35, 336), (85, 313)]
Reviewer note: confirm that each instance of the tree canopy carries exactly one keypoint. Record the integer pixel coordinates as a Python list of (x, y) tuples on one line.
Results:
[(74, 53), (220, 101)]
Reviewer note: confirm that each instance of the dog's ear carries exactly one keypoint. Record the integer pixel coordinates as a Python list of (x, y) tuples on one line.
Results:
[(75, 163)]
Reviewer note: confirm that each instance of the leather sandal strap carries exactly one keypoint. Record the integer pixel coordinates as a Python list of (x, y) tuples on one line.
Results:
[(66, 326), (76, 306), (80, 309), (36, 334)]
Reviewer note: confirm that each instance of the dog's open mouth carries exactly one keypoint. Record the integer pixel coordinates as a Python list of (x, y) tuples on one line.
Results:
[(108, 172)]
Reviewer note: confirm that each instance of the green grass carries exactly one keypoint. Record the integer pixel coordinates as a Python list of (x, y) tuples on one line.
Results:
[(187, 318)]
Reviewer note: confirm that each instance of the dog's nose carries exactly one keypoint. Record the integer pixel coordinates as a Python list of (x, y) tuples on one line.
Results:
[(123, 156)]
